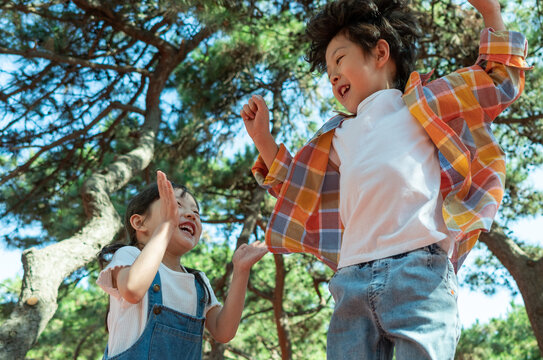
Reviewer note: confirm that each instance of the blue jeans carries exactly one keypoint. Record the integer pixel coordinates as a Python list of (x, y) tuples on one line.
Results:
[(406, 302)]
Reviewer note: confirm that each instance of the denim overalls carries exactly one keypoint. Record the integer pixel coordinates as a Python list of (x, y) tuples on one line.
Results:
[(169, 334)]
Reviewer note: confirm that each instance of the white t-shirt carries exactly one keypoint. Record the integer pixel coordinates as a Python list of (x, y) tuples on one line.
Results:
[(390, 200), (127, 321)]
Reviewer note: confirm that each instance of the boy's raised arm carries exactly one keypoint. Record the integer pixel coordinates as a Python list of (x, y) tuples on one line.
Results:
[(256, 118), (491, 12)]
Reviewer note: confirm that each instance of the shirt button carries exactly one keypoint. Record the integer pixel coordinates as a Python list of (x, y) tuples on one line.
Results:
[(157, 310), (156, 288)]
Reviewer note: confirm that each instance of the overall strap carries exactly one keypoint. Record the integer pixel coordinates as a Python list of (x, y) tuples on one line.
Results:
[(200, 297), (154, 294)]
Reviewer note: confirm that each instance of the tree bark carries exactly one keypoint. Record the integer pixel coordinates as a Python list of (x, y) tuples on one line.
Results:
[(281, 318), (527, 272), (249, 224)]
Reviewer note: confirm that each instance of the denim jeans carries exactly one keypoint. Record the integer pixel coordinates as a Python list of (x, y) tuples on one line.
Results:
[(168, 334), (406, 303)]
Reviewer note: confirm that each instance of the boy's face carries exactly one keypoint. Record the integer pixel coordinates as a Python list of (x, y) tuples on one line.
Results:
[(353, 74)]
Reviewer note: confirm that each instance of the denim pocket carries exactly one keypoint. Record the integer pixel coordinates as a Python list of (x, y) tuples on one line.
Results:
[(442, 266), (170, 343)]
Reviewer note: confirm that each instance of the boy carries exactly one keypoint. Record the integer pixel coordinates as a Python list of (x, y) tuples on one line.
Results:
[(387, 195)]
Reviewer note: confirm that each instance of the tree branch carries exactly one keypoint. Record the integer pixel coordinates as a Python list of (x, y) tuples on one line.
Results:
[(106, 14), (526, 272), (26, 165), (524, 120), (30, 53)]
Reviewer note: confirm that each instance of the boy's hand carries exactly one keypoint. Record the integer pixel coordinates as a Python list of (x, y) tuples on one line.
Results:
[(168, 202), (485, 6), (491, 12), (256, 117), (248, 254)]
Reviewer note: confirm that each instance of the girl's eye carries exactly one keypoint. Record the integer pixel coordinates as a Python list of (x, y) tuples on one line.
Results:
[(338, 59), (196, 213)]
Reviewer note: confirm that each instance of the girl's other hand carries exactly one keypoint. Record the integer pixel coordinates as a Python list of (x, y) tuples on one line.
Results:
[(248, 254)]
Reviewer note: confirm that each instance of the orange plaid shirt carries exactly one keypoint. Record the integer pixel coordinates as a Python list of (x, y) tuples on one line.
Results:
[(456, 111)]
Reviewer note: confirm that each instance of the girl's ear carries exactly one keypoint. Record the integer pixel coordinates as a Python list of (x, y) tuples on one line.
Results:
[(381, 52), (138, 222)]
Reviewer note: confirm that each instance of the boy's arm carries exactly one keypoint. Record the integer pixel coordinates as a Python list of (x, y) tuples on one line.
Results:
[(271, 178), (273, 162), (491, 12), (223, 322), (256, 118)]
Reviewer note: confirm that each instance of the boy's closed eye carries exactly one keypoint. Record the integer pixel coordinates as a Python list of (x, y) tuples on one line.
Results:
[(339, 58)]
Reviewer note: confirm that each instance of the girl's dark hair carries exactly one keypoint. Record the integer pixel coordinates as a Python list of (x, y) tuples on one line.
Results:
[(364, 22), (140, 205)]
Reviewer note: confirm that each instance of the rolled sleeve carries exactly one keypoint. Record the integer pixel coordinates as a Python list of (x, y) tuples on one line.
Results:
[(502, 56), (509, 48), (272, 179)]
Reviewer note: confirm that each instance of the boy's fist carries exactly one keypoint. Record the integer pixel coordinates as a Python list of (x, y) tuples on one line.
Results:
[(256, 117)]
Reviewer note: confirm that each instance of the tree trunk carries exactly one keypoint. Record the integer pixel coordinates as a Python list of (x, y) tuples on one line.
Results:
[(527, 272), (249, 224), (281, 318)]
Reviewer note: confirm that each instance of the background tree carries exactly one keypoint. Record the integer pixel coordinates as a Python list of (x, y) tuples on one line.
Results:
[(505, 339), (95, 98)]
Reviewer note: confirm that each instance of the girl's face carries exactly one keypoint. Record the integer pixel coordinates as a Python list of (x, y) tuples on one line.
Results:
[(189, 227)]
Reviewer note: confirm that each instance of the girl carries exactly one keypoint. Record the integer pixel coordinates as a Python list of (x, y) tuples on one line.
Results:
[(158, 307)]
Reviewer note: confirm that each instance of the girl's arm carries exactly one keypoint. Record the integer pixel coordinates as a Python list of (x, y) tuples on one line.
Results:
[(134, 281), (223, 322), (490, 10)]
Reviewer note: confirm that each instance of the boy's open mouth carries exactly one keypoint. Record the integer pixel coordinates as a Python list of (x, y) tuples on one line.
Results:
[(343, 90), (187, 227)]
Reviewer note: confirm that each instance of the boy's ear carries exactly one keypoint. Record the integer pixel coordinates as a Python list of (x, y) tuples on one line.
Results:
[(381, 52), (138, 222)]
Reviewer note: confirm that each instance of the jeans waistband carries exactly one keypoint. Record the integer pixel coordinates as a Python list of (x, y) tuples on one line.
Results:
[(432, 249)]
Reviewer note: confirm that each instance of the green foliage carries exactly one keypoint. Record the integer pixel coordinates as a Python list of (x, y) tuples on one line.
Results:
[(255, 47), (510, 338)]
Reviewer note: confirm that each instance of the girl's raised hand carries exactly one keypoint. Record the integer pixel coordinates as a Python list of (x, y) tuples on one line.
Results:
[(248, 254), (168, 202), (256, 116)]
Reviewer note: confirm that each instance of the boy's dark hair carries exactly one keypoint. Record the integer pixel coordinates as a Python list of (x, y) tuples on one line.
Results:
[(364, 22), (140, 205)]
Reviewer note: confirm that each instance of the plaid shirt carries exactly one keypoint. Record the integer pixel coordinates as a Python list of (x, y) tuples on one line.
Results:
[(456, 111)]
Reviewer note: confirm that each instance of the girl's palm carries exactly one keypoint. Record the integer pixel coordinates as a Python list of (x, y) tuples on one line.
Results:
[(168, 202), (248, 254)]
